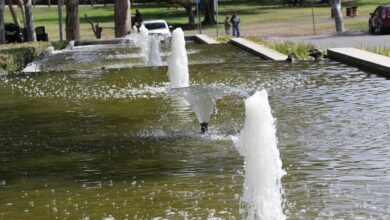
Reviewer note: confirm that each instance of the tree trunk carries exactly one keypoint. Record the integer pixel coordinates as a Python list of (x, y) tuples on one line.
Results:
[(2, 28), (336, 7), (209, 12), (190, 14), (49, 3), (72, 27), (14, 16), (30, 29), (21, 7), (122, 18)]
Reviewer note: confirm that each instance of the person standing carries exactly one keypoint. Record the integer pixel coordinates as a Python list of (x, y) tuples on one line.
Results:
[(235, 20), (227, 25)]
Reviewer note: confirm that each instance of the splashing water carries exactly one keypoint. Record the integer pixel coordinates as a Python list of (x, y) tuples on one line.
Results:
[(135, 30), (35, 66), (154, 58), (178, 61), (142, 41), (70, 45), (257, 143), (202, 98)]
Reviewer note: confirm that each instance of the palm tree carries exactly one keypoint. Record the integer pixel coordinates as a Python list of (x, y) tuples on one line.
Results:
[(30, 29), (122, 18), (14, 16), (21, 7), (336, 8), (2, 28), (72, 28)]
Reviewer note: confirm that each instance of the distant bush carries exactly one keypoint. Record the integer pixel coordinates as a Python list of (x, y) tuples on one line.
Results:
[(14, 57)]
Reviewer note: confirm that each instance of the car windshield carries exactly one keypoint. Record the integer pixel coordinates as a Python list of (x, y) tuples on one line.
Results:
[(154, 26)]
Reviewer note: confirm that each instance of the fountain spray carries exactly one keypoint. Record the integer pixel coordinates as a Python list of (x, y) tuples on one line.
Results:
[(257, 143), (154, 58), (178, 61)]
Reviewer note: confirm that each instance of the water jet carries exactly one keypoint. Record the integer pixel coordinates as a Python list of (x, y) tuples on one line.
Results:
[(204, 127)]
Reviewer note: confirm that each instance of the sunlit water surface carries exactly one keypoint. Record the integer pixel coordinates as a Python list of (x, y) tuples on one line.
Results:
[(86, 142)]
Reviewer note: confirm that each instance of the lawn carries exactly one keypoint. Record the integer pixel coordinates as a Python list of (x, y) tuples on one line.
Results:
[(256, 19)]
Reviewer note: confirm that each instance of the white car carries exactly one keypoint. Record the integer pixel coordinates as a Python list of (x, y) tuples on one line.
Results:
[(157, 27)]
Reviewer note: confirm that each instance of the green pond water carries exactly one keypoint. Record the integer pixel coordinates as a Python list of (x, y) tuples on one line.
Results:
[(81, 142)]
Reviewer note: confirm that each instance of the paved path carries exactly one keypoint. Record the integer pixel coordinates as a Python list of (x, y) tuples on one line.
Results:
[(356, 39)]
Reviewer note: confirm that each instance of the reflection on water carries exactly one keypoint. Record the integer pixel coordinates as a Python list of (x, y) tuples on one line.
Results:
[(94, 143)]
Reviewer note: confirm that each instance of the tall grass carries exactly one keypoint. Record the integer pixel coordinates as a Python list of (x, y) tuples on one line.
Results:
[(223, 38), (293, 49), (379, 50)]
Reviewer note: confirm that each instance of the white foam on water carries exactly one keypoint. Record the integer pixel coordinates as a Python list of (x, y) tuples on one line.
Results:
[(66, 88), (178, 61), (257, 143)]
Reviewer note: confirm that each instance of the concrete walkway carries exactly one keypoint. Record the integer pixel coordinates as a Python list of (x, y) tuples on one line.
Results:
[(205, 39), (354, 39), (360, 58), (257, 49)]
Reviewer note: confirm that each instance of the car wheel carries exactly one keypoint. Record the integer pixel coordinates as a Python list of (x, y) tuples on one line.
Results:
[(371, 29), (381, 29)]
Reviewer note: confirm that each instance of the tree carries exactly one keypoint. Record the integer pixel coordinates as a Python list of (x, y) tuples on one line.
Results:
[(187, 5), (209, 12), (72, 27), (30, 29), (14, 16), (336, 8), (122, 18), (21, 7), (2, 28), (206, 8)]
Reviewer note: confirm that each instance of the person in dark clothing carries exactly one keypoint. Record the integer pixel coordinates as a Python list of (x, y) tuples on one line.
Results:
[(235, 20), (138, 18)]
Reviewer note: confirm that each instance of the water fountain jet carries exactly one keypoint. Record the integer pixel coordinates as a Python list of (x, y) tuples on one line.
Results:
[(154, 58), (257, 143), (178, 61)]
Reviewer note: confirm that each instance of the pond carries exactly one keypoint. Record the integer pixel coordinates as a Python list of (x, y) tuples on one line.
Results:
[(78, 141)]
